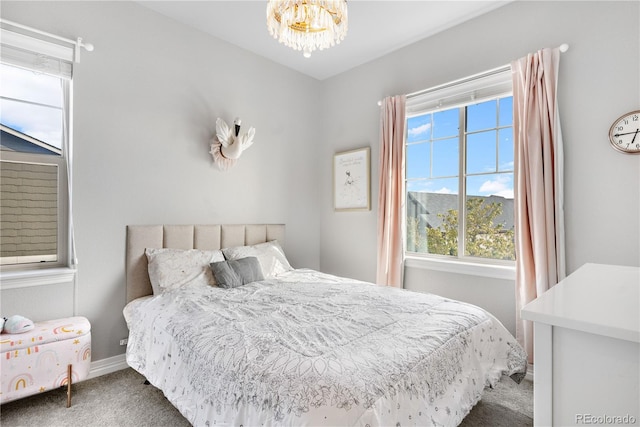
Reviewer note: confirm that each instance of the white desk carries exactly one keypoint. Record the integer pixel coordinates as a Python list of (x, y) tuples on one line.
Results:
[(587, 348)]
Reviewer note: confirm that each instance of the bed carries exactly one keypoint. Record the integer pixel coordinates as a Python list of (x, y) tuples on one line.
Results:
[(297, 346)]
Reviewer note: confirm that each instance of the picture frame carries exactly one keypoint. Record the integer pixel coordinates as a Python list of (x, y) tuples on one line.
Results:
[(352, 180)]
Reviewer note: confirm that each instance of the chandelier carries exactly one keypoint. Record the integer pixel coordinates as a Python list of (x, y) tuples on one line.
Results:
[(307, 25)]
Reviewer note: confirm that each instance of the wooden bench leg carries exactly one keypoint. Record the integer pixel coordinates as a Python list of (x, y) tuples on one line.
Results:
[(69, 372)]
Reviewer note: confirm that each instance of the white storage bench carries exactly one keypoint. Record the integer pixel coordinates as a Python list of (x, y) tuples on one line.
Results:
[(53, 354)]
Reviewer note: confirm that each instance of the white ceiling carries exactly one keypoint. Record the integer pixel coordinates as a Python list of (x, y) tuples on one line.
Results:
[(376, 28)]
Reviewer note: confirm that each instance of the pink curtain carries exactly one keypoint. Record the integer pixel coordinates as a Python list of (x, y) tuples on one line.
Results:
[(538, 185), (391, 194)]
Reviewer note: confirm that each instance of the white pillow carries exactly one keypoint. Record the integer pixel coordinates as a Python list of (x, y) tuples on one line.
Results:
[(174, 268), (271, 256)]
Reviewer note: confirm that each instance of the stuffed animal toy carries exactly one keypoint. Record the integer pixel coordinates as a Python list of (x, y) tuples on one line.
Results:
[(17, 324)]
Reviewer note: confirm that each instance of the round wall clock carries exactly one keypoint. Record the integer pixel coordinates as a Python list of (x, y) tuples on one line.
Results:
[(624, 133)]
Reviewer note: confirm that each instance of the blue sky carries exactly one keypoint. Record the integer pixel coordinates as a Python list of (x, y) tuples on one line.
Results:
[(41, 122), (433, 154)]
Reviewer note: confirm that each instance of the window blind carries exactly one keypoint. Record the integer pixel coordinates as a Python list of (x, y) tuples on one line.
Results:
[(471, 90), (34, 52)]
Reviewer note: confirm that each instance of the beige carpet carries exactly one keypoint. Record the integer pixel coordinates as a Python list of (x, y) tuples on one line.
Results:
[(122, 399)]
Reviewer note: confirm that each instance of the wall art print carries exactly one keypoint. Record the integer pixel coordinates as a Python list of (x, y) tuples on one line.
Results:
[(352, 180)]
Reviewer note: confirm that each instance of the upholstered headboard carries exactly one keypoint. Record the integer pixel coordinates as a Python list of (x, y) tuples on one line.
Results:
[(205, 237)]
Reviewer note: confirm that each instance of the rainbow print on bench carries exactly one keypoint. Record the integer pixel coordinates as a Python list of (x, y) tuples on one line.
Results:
[(36, 361), (20, 381)]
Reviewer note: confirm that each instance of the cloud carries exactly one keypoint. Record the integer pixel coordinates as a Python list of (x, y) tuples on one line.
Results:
[(43, 122), (444, 190), (507, 194), (419, 129), (501, 186), (507, 166), (419, 186)]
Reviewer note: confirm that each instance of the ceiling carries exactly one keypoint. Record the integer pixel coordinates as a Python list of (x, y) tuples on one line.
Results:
[(376, 28)]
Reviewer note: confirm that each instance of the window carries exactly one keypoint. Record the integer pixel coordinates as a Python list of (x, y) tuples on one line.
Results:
[(459, 170), (34, 191)]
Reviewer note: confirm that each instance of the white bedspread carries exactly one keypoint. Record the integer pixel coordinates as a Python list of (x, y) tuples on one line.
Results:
[(314, 349)]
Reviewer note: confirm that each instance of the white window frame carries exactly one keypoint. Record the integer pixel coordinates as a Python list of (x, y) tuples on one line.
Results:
[(493, 84), (24, 47)]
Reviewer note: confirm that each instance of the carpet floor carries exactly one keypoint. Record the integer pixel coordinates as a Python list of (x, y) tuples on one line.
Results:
[(122, 399)]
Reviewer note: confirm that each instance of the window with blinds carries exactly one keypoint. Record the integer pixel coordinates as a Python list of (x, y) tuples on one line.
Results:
[(36, 73)]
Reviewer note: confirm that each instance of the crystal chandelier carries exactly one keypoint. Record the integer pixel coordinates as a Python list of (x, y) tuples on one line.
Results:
[(307, 25)]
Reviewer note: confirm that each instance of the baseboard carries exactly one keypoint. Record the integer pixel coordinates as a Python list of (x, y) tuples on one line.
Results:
[(108, 365)]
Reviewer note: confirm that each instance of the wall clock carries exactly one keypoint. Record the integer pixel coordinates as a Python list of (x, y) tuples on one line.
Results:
[(624, 133)]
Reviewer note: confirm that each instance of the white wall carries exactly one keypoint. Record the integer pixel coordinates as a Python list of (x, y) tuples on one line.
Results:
[(146, 101), (599, 81)]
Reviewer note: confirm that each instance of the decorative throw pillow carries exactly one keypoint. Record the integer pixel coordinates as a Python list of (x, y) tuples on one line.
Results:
[(174, 268), (234, 273), (270, 255)]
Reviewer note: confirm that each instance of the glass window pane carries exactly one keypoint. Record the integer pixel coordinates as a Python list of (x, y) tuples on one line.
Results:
[(419, 128), (418, 160), (432, 216), (29, 222), (506, 111), (481, 116), (445, 157), (505, 154), (446, 123), (489, 222), (481, 152)]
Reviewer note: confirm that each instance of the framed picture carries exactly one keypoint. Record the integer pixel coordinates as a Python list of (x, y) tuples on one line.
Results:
[(352, 180)]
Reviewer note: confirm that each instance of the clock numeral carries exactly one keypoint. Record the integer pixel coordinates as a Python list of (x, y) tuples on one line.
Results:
[(636, 118)]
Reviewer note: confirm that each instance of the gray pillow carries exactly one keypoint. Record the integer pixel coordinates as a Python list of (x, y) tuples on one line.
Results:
[(238, 272)]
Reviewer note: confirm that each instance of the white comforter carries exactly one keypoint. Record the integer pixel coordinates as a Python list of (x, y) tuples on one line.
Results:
[(314, 349)]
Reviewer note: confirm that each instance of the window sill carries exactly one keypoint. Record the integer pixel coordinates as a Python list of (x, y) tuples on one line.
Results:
[(506, 272), (43, 277)]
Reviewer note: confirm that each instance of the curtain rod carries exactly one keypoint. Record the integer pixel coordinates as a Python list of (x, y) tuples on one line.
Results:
[(78, 43), (563, 48)]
